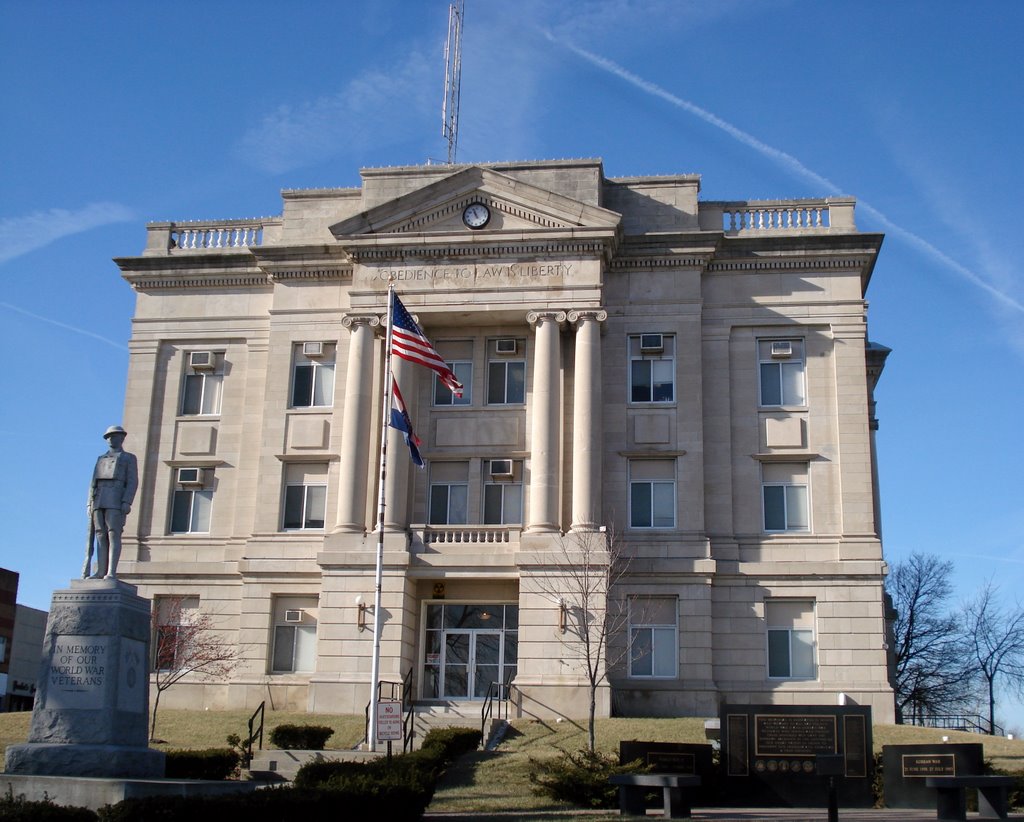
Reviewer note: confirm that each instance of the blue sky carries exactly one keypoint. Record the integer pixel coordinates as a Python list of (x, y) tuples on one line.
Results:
[(119, 113)]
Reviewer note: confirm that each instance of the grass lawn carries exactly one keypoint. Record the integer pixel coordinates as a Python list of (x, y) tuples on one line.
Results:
[(490, 782)]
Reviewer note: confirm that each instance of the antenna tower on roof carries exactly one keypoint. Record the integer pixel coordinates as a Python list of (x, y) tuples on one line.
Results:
[(452, 78)]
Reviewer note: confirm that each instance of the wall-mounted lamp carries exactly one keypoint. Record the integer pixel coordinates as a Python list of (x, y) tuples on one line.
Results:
[(563, 611), (361, 615)]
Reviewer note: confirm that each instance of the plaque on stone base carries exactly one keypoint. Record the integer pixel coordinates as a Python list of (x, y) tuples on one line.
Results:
[(91, 708)]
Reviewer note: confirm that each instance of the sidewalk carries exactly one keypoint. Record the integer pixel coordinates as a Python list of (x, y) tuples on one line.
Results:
[(718, 815)]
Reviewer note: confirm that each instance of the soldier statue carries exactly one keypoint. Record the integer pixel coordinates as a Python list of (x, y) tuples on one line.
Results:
[(115, 480)]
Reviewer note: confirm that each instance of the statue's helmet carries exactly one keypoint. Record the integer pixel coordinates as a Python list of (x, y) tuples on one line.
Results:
[(114, 429)]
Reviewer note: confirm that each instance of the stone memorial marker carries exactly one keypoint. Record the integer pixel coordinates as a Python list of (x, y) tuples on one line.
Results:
[(905, 768), (769, 752), (91, 707)]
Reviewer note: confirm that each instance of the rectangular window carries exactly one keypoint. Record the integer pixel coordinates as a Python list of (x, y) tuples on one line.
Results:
[(791, 648), (459, 356), (313, 375), (449, 493), (781, 365), (204, 379), (191, 507), (506, 372), (653, 637), (784, 489), (294, 648), (503, 492), (464, 374), (652, 494), (305, 496), (652, 368), (171, 636)]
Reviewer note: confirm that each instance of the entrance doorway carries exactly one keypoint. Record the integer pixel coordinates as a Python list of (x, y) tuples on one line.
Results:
[(468, 647)]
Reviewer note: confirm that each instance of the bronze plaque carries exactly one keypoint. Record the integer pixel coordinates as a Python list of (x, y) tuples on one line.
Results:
[(856, 744), (922, 765), (684, 763), (736, 728), (794, 734)]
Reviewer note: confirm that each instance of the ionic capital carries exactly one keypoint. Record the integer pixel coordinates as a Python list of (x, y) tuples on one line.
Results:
[(350, 320), (577, 315), (535, 318)]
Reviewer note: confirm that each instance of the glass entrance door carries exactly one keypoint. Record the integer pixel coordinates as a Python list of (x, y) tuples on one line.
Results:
[(467, 647), (471, 661)]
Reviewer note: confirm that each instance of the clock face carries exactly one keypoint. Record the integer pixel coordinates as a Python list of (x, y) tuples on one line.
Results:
[(476, 215)]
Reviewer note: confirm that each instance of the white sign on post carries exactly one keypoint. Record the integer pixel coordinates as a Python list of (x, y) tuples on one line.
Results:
[(389, 720)]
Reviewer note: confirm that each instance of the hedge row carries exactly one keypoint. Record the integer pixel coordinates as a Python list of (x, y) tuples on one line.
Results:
[(300, 737), (212, 763)]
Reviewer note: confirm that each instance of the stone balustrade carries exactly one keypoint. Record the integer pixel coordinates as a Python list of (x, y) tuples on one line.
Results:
[(214, 235), (778, 216), (469, 534)]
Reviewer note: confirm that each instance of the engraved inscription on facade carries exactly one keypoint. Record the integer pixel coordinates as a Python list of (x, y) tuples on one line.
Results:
[(794, 735)]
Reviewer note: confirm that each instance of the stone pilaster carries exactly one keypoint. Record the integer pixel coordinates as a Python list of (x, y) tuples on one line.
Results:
[(586, 420), (546, 407), (355, 433)]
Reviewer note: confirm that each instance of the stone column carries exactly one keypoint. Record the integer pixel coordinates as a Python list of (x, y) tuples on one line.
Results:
[(396, 483), (544, 452), (586, 420), (356, 436)]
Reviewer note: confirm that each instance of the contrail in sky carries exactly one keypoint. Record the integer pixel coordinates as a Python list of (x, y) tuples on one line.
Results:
[(65, 326), (789, 162)]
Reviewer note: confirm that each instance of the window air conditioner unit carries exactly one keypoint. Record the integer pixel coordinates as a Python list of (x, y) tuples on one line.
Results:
[(651, 343), (202, 360), (313, 349), (501, 468), (782, 349), (293, 615), (505, 346), (190, 476)]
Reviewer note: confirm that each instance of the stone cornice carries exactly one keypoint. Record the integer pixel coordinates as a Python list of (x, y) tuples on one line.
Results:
[(192, 280)]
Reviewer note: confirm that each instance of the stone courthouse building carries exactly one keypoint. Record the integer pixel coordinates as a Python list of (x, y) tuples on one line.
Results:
[(695, 377)]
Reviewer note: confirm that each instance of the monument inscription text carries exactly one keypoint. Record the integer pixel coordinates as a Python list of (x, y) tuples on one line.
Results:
[(794, 735), (78, 672)]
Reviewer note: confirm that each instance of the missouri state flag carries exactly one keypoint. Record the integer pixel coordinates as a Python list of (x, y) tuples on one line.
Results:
[(400, 421), (410, 343)]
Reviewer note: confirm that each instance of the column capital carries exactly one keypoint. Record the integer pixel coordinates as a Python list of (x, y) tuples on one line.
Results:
[(349, 320), (577, 315), (537, 317)]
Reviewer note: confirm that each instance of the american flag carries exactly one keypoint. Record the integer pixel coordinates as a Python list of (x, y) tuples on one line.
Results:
[(410, 343), (400, 420)]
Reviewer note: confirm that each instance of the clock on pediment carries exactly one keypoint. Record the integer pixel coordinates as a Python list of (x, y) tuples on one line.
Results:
[(476, 215)]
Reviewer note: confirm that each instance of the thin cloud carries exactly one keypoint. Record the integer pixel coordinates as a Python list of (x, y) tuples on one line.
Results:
[(375, 108), (792, 164), (20, 235), (73, 328)]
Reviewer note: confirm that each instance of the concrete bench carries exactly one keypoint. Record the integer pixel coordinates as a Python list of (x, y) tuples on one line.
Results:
[(951, 800), (633, 786)]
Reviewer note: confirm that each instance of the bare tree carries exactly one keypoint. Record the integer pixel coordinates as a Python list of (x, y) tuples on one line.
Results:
[(589, 564), (185, 641), (995, 634), (931, 673)]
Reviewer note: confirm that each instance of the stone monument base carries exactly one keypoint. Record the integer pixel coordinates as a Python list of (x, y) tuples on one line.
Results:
[(85, 792), (56, 759)]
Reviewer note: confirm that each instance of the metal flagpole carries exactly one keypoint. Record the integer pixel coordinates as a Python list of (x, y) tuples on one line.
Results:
[(378, 578)]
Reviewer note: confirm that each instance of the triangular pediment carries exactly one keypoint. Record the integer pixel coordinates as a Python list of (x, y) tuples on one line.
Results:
[(513, 206)]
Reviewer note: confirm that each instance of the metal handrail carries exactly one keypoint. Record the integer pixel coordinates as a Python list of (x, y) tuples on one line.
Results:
[(408, 724), (403, 690), (972, 723), (500, 693), (261, 713)]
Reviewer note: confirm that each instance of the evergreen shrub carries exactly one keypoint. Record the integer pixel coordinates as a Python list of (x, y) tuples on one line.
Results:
[(300, 737), (212, 763)]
